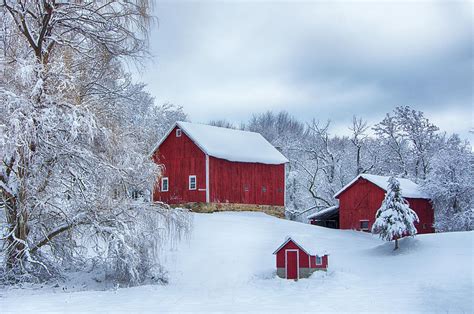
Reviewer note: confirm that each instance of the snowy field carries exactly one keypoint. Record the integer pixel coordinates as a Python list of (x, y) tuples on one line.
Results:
[(227, 266)]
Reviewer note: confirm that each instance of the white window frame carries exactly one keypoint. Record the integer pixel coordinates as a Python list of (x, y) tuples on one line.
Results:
[(167, 184), (178, 132), (360, 225), (195, 183), (320, 258)]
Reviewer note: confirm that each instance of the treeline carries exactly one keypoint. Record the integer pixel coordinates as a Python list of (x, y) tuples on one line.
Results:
[(404, 144)]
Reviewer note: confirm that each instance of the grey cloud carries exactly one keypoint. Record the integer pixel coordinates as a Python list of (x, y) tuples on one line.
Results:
[(324, 59)]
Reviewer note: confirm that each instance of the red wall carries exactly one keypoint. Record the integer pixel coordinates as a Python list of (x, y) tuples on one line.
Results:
[(229, 179), (181, 158), (362, 200)]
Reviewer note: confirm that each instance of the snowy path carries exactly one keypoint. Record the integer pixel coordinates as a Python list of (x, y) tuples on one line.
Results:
[(227, 265)]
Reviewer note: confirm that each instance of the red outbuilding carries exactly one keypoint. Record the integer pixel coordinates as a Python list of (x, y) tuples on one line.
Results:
[(362, 197), (214, 165), (295, 262)]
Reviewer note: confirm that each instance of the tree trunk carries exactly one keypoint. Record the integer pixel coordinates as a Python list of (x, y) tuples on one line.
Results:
[(17, 218), (18, 230), (396, 245), (359, 167)]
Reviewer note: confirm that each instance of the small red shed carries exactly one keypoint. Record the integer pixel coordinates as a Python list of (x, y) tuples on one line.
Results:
[(360, 199), (214, 165), (295, 262)]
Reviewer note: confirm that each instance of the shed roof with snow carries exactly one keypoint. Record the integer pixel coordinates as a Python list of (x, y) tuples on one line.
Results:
[(306, 245), (325, 213), (408, 188), (229, 144)]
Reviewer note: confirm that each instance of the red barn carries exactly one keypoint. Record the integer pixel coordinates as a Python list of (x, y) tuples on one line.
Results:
[(294, 262), (362, 197), (213, 165)]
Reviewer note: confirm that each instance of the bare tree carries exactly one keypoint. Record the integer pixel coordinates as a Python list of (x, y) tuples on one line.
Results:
[(388, 130), (422, 136), (359, 128), (222, 124)]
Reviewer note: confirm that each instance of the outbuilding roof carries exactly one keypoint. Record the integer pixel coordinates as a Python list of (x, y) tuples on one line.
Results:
[(305, 244), (408, 188), (229, 144), (325, 213)]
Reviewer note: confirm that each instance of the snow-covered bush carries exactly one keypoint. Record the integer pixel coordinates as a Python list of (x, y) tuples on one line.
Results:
[(394, 219)]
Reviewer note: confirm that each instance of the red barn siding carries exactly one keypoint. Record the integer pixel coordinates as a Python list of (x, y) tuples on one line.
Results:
[(180, 158), (361, 201), (229, 180), (425, 212)]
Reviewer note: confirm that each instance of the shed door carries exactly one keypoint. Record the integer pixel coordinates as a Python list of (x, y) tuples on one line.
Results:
[(291, 262)]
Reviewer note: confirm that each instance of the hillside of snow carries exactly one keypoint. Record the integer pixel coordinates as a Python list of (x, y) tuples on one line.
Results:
[(227, 265)]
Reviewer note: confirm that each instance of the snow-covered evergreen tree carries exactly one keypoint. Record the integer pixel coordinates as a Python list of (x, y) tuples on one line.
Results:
[(394, 219)]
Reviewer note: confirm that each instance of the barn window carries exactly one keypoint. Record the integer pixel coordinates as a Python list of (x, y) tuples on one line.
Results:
[(364, 225), (264, 189), (164, 184), (319, 260), (192, 182), (246, 187), (178, 132), (280, 190)]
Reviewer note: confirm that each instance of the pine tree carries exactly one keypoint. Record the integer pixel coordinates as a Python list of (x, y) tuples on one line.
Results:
[(394, 219)]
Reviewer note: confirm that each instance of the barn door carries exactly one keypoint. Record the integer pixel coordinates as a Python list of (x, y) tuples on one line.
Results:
[(291, 264)]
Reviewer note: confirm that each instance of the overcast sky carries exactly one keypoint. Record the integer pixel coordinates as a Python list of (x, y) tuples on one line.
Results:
[(327, 60)]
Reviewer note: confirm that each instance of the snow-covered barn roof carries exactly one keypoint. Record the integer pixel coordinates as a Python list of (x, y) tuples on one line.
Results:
[(306, 244), (230, 144), (408, 188), (325, 212)]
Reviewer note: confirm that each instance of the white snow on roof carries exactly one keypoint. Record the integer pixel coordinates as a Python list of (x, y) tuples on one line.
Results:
[(324, 211), (230, 144), (408, 188), (306, 243)]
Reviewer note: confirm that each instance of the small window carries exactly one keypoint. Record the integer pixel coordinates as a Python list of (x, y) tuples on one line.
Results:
[(192, 182), (164, 184), (425, 226), (178, 132), (280, 190), (264, 189), (319, 260), (246, 187), (364, 225)]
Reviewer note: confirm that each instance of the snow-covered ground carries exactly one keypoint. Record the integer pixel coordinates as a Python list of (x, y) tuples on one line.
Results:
[(227, 265)]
